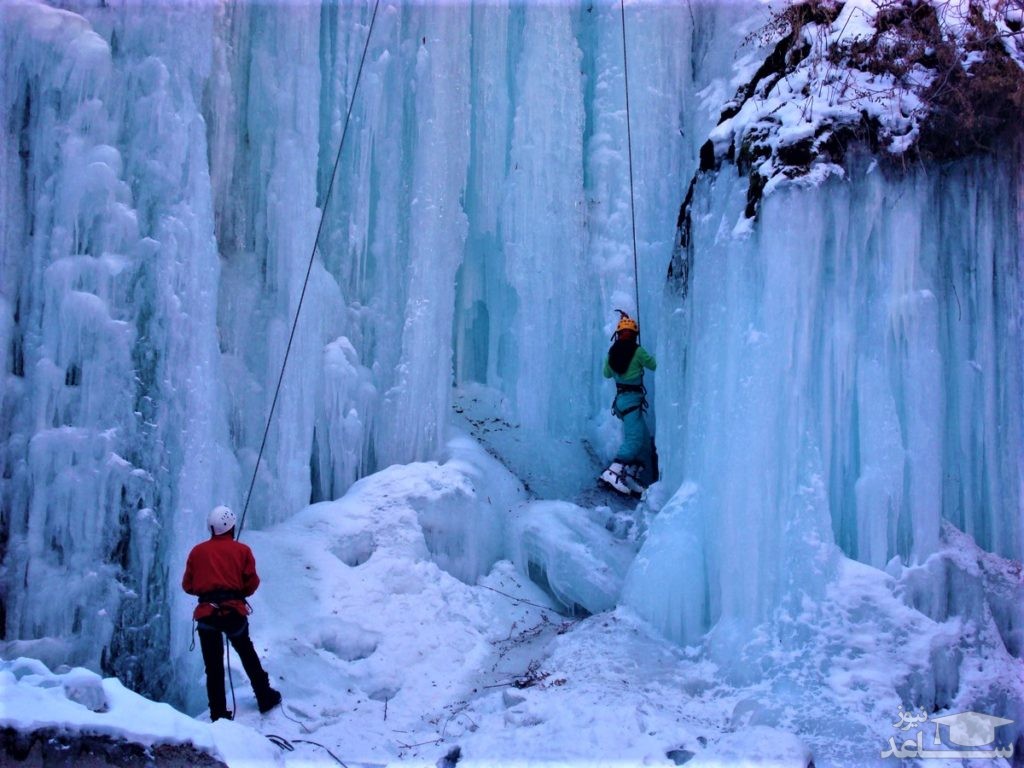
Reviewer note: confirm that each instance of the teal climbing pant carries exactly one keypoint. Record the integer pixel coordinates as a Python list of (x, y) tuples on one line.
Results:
[(636, 438)]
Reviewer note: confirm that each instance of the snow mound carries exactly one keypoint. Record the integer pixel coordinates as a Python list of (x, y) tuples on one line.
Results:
[(79, 704), (570, 552)]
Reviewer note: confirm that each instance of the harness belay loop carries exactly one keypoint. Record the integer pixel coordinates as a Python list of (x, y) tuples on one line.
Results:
[(217, 596), (629, 388)]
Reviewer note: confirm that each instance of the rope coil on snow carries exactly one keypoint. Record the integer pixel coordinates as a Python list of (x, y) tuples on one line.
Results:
[(289, 746)]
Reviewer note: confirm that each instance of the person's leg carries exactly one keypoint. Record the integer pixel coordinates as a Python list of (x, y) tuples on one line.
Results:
[(643, 439), (643, 471), (635, 451), (238, 634), (634, 438), (212, 645)]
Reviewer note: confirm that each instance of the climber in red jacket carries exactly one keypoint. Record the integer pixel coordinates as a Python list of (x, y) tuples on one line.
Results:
[(221, 572)]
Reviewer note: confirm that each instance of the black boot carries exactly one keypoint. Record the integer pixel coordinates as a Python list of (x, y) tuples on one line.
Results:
[(268, 699), (222, 715)]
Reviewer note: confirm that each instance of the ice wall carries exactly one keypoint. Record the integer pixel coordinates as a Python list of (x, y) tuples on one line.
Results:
[(166, 171), (849, 371), (549, 251), (382, 283), (530, 199), (113, 435)]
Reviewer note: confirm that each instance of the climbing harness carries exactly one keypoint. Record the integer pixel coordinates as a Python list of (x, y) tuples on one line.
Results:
[(622, 388), (233, 633), (625, 413), (217, 596), (309, 268), (629, 145)]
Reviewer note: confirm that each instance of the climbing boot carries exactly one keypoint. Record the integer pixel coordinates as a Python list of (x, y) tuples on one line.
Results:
[(268, 700), (631, 477), (614, 476), (224, 715)]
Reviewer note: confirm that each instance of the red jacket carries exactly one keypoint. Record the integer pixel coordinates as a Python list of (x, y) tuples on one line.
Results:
[(220, 563)]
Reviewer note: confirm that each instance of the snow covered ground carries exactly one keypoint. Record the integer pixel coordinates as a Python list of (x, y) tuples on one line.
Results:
[(384, 656)]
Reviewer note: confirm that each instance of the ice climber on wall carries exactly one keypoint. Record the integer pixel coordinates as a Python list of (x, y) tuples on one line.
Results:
[(625, 363), (221, 572)]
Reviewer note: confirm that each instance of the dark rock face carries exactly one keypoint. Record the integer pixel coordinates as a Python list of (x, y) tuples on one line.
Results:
[(916, 80), (679, 266), (911, 81), (53, 748)]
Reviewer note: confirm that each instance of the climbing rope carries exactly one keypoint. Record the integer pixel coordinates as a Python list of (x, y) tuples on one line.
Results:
[(287, 746), (522, 600), (309, 268), (629, 145), (231, 682), (302, 725)]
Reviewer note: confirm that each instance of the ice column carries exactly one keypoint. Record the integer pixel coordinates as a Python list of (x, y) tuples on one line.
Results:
[(851, 373), (267, 229), (166, 62), (665, 111), (68, 491), (113, 426), (543, 226), (485, 302), (417, 404)]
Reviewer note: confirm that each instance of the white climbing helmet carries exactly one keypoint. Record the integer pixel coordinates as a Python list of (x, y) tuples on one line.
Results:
[(221, 520)]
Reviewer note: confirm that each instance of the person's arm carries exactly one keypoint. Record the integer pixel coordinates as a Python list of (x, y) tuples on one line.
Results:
[(607, 369), (250, 579), (647, 359), (186, 580)]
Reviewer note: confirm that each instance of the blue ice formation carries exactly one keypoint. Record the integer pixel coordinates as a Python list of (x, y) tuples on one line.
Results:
[(839, 376)]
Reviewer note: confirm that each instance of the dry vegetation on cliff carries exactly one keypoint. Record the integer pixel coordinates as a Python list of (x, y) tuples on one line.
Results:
[(912, 79)]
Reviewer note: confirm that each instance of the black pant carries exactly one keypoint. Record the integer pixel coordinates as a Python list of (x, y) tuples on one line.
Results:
[(236, 628)]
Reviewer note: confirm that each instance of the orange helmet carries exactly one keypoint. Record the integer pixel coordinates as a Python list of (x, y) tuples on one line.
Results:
[(627, 323)]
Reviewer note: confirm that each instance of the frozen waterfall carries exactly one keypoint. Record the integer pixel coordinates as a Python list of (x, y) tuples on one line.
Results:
[(855, 380), (839, 401), (169, 169)]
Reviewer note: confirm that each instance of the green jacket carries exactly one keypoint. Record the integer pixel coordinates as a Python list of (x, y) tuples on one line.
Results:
[(641, 359)]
